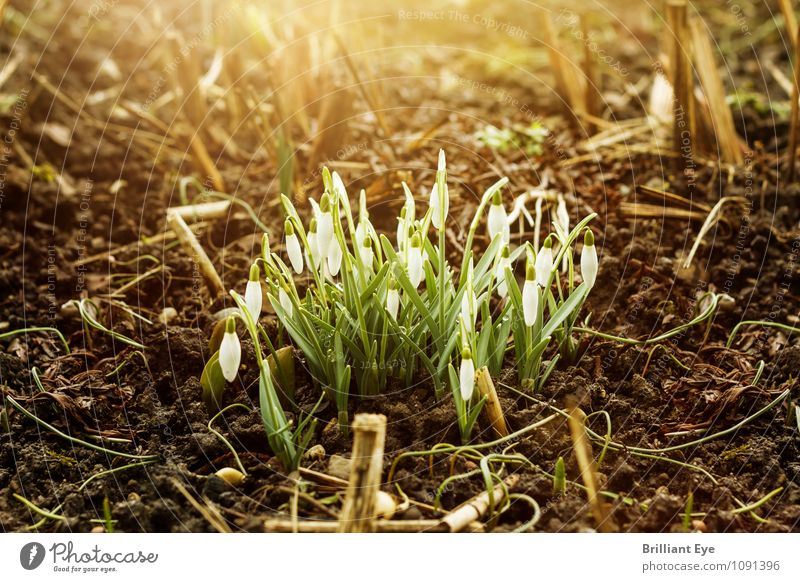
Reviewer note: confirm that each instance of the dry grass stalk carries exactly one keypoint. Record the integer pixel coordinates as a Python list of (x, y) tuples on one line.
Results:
[(712, 219), (493, 410), (684, 120), (639, 210), (583, 454), (473, 509), (203, 211), (722, 120), (672, 197), (381, 526), (789, 21), (192, 246), (794, 117), (208, 511), (358, 512), (204, 160), (568, 84), (592, 97)]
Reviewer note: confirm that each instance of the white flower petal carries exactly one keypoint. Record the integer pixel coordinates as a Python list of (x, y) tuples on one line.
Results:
[(230, 355), (393, 303), (589, 265), (497, 223), (544, 265), (294, 252), (530, 302), (415, 271), (253, 297), (324, 233), (466, 378), (286, 302), (334, 259)]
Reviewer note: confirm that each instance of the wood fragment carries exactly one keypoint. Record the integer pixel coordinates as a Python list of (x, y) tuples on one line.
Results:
[(719, 111), (204, 160), (592, 97), (583, 454), (381, 526), (203, 211), (492, 409), (358, 512), (473, 509), (193, 248), (792, 153), (568, 84), (684, 122), (789, 21)]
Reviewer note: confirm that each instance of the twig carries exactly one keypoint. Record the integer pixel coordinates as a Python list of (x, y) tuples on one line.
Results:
[(789, 21), (583, 454), (684, 122), (475, 508), (710, 221), (192, 246), (493, 410), (795, 114)]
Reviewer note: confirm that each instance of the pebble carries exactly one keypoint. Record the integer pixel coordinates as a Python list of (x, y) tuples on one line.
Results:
[(167, 315), (338, 466), (315, 453)]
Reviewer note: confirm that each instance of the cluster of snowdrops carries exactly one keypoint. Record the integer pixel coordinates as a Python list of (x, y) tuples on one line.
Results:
[(377, 311)]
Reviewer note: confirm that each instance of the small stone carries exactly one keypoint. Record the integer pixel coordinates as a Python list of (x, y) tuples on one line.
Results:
[(167, 315), (699, 525), (134, 497), (98, 529), (315, 453), (338, 466)]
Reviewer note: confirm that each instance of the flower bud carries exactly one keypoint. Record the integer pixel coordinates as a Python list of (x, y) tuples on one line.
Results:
[(500, 272), (589, 259), (415, 270), (325, 226), (285, 301), (497, 221), (393, 299), (544, 262), (230, 351), (293, 247), (253, 295), (530, 296), (466, 375)]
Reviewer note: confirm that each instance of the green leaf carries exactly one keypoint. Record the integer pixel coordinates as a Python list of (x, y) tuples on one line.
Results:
[(213, 384)]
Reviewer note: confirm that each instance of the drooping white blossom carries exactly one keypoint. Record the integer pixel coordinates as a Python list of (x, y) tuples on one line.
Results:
[(293, 248), (497, 222), (468, 309), (414, 266), (253, 295), (466, 376), (589, 259), (325, 226), (334, 258), (530, 296), (544, 262), (230, 351), (393, 299), (500, 271), (285, 301)]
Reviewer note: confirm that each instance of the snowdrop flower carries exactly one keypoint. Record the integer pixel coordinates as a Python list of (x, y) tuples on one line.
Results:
[(440, 201), (498, 219), (334, 258), (285, 301), (366, 253), (364, 227), (293, 247), (466, 375), (530, 296), (468, 311), (230, 351), (500, 272), (253, 296), (415, 271), (313, 243), (402, 230), (544, 262), (589, 259), (324, 226), (393, 299)]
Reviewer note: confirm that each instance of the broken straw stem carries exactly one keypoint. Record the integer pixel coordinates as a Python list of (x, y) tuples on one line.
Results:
[(358, 512), (192, 246)]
